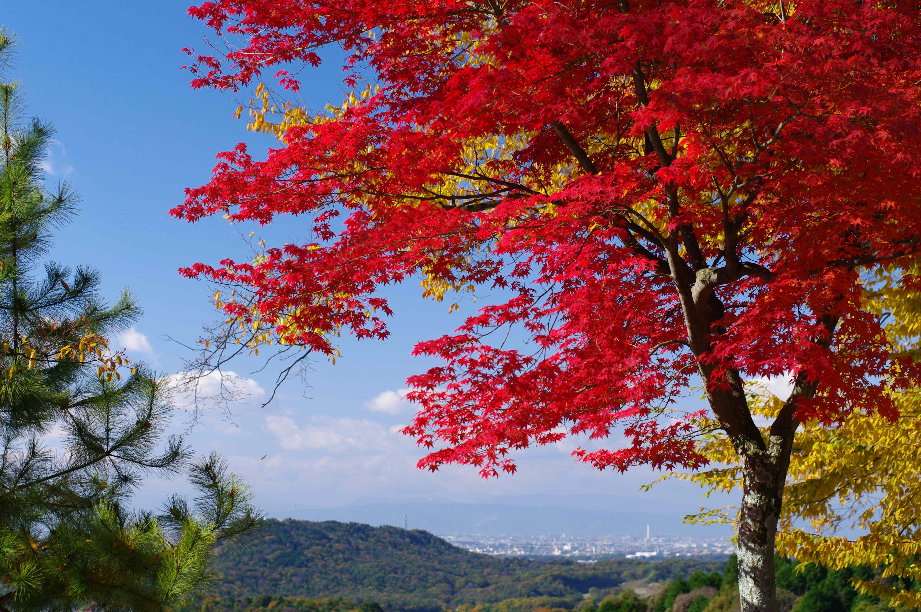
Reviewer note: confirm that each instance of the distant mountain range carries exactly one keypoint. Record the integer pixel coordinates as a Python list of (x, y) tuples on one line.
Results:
[(407, 569)]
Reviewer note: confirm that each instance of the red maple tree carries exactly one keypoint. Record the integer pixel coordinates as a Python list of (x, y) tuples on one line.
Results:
[(666, 194)]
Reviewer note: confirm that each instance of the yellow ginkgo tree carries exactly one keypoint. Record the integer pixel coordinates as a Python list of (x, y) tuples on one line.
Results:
[(853, 493)]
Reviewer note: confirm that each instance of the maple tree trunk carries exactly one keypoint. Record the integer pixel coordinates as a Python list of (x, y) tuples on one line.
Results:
[(764, 472)]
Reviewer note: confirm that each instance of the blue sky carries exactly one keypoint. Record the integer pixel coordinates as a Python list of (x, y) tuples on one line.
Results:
[(130, 136)]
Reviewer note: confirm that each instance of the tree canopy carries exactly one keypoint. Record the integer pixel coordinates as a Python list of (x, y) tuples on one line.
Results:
[(659, 195)]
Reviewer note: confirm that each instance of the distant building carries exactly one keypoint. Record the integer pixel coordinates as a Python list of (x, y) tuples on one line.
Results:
[(644, 554)]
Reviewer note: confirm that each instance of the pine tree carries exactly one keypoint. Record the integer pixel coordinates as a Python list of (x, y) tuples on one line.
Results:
[(78, 432)]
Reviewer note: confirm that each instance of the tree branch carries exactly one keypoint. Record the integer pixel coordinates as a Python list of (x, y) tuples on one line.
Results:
[(786, 422), (578, 152), (634, 244), (492, 179), (652, 132), (911, 247)]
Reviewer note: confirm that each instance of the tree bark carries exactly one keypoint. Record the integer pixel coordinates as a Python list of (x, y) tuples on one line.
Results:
[(764, 471)]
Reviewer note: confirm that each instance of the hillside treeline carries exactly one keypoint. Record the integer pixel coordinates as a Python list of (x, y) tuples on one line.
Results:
[(293, 566), (808, 589), (300, 562)]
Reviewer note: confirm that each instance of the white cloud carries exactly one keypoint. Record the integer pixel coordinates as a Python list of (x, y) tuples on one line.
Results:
[(778, 386), (55, 438), (135, 342), (56, 169), (192, 391), (390, 402), (332, 434), (55, 163)]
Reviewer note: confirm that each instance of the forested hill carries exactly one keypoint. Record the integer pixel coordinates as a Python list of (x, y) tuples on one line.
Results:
[(408, 569)]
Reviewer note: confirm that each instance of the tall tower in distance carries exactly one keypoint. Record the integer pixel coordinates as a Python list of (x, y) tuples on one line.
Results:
[(647, 532)]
